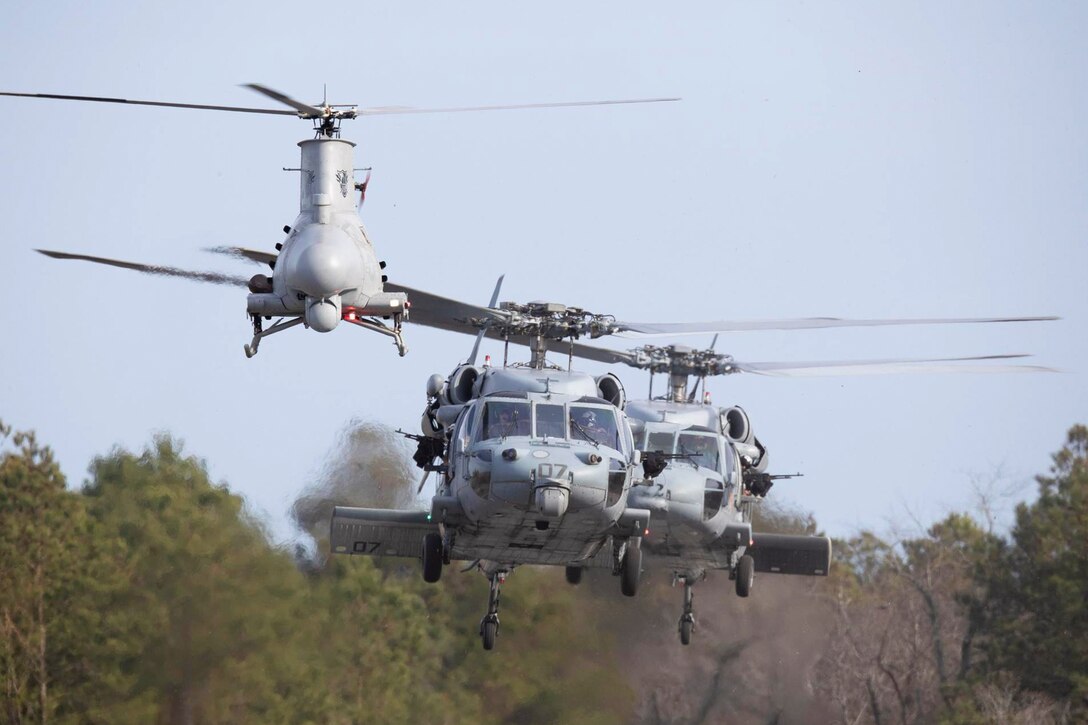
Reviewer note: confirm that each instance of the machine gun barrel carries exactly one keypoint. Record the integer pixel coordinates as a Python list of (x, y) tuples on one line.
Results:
[(760, 483)]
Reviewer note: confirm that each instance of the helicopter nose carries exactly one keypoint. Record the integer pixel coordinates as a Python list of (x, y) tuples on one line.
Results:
[(324, 268)]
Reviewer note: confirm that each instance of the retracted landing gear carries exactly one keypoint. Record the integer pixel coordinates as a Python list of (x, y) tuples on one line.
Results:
[(258, 332), (489, 625), (687, 619)]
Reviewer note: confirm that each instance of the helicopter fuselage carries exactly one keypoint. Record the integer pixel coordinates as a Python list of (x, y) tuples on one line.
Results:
[(699, 496), (327, 269), (538, 469)]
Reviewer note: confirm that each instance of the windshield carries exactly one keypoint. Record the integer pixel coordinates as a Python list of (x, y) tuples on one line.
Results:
[(596, 425), (660, 441), (502, 419), (550, 421), (703, 449)]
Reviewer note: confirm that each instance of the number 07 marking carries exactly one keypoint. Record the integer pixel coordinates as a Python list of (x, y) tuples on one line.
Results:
[(551, 470)]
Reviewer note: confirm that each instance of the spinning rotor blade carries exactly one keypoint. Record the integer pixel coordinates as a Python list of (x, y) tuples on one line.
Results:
[(251, 255), (727, 366), (890, 366), (603, 354), (212, 277), (647, 329), (98, 99), (304, 109), (480, 336), (395, 110), (443, 313)]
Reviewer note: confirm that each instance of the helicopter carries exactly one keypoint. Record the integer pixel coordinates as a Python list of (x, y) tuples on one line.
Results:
[(325, 270), (535, 466), (537, 463), (704, 470)]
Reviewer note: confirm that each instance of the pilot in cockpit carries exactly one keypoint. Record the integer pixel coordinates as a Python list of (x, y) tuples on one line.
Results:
[(597, 426), (502, 425)]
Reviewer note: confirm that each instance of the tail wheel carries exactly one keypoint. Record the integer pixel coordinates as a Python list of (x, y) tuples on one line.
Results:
[(746, 571), (432, 558), (574, 575), (630, 571)]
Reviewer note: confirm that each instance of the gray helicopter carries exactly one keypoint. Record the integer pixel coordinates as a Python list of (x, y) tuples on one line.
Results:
[(704, 470), (537, 463), (326, 270)]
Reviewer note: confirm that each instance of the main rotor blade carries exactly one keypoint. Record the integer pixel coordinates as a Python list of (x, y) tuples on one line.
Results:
[(304, 109), (212, 277), (648, 329), (443, 313), (889, 366), (251, 255), (603, 354), (200, 106), (395, 110), (483, 331)]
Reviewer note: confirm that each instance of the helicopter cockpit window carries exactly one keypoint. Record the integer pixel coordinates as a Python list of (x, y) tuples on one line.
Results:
[(660, 441), (703, 449), (502, 419), (597, 425), (550, 421)]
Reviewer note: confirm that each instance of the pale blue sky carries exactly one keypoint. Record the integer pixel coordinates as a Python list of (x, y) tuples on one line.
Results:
[(842, 159)]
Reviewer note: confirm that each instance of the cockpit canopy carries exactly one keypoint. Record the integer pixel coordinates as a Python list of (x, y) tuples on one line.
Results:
[(575, 421), (702, 447)]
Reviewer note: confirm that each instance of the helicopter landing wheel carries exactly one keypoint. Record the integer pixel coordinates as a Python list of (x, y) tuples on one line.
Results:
[(489, 625), (630, 571), (489, 630), (687, 626), (574, 575), (432, 558), (746, 569), (687, 619)]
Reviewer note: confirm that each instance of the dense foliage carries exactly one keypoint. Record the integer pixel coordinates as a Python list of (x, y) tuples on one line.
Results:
[(153, 596)]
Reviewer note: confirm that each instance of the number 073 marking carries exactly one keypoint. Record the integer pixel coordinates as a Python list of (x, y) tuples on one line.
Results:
[(365, 547)]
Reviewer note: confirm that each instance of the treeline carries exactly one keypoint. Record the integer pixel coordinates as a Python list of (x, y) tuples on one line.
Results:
[(152, 595)]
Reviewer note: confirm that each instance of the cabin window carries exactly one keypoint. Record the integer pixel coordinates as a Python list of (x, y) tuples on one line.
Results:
[(596, 425), (617, 477), (702, 449), (506, 418), (713, 495), (550, 421)]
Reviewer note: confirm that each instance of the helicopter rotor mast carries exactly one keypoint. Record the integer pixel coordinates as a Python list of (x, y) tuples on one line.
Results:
[(537, 323)]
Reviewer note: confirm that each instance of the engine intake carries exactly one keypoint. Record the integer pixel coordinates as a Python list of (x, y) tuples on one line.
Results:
[(611, 389), (460, 386)]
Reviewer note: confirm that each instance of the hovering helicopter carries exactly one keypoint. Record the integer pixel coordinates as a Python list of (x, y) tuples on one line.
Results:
[(537, 463), (704, 470), (327, 269)]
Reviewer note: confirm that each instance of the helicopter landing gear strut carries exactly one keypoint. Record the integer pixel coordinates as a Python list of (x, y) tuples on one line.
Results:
[(687, 619), (489, 625), (258, 332), (394, 332)]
